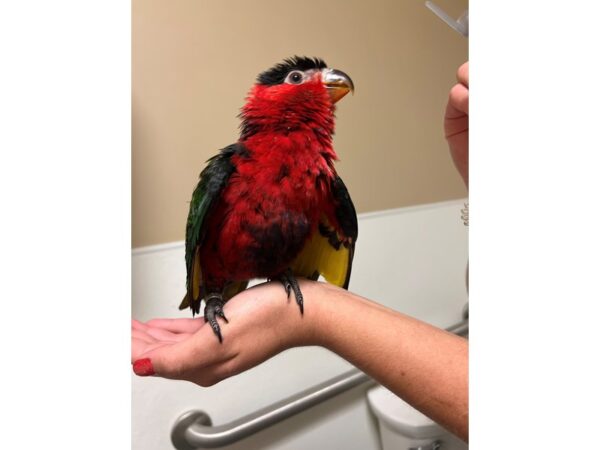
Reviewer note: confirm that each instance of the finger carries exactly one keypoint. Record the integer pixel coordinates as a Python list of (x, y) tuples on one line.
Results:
[(184, 360), (141, 349), (177, 325), (459, 100), (463, 74), (138, 347), (165, 335), (142, 336), (137, 325)]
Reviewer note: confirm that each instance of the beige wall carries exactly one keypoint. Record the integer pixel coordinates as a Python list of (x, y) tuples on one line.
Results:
[(194, 61)]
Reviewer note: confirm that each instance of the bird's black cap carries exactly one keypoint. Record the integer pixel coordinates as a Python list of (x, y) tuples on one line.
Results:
[(277, 73)]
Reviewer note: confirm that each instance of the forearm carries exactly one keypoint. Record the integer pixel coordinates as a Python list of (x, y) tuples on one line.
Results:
[(426, 366)]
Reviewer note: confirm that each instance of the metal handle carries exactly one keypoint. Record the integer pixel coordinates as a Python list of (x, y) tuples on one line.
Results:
[(193, 430), (435, 445)]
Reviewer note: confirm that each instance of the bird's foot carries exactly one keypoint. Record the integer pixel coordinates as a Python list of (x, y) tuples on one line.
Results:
[(214, 309), (291, 284)]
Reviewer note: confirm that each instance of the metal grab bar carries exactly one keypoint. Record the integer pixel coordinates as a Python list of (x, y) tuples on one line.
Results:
[(193, 430), (189, 433)]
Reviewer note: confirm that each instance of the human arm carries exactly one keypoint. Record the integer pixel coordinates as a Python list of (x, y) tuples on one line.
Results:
[(422, 364)]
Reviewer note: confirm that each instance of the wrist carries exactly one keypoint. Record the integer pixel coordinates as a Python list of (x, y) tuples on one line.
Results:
[(324, 304), (305, 329)]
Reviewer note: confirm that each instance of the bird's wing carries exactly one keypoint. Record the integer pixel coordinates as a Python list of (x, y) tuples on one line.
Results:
[(213, 179), (330, 251)]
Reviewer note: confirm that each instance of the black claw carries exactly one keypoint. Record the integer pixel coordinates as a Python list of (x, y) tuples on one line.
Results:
[(216, 329), (300, 301), (212, 310), (221, 314), (291, 284)]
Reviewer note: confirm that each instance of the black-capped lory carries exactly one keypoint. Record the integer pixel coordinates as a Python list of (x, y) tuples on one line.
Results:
[(272, 205)]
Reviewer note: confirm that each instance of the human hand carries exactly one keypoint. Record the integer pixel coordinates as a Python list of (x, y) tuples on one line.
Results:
[(400, 352), (456, 122), (262, 323)]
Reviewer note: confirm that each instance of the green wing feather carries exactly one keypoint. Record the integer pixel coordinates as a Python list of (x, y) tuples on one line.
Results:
[(213, 179)]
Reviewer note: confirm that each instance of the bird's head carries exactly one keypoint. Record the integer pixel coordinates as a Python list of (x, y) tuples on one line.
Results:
[(297, 94)]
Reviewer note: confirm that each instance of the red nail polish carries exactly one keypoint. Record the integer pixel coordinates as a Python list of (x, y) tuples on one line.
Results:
[(143, 367)]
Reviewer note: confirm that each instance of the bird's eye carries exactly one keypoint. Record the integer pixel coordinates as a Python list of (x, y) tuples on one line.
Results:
[(295, 77)]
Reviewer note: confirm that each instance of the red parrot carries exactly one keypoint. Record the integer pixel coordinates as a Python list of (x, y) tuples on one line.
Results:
[(272, 205)]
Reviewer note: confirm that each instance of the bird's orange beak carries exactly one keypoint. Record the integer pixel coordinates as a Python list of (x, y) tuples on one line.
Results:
[(338, 84)]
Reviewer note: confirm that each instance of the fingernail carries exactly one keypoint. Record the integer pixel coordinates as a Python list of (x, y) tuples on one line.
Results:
[(143, 367)]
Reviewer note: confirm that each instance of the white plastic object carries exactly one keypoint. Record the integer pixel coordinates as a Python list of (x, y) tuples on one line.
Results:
[(461, 25), (402, 427)]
